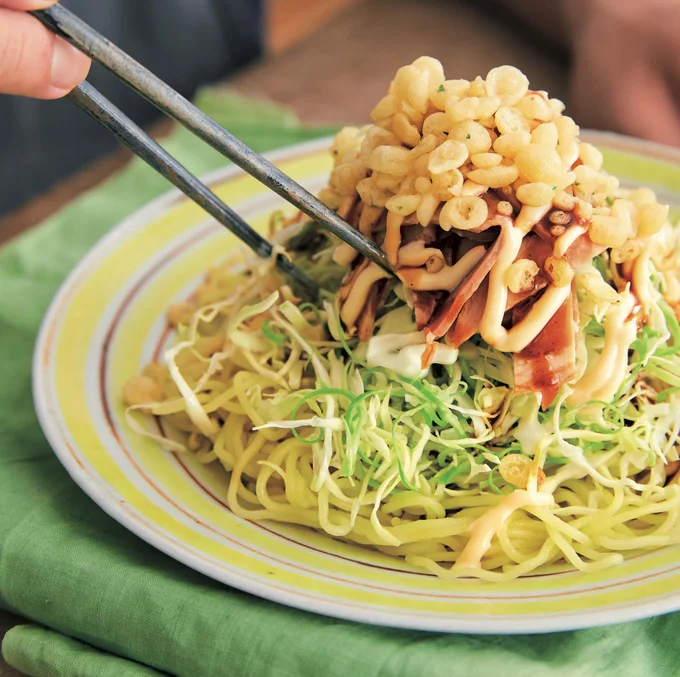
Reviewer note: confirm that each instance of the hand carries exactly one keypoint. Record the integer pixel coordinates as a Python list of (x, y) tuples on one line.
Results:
[(33, 61), (626, 66)]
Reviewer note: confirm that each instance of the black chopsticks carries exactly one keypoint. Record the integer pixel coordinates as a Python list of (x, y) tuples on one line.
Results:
[(87, 40), (86, 97)]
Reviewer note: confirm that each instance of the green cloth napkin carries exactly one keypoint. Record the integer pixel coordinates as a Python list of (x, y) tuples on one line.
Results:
[(113, 605)]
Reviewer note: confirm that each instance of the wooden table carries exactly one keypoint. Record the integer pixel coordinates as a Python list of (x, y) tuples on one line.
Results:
[(339, 72)]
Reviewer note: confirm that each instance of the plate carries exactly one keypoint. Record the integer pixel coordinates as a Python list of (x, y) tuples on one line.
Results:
[(107, 321)]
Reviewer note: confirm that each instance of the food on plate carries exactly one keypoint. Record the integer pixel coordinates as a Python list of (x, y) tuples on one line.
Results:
[(509, 401)]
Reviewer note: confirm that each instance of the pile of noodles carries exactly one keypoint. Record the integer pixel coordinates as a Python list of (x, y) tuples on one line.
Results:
[(346, 414)]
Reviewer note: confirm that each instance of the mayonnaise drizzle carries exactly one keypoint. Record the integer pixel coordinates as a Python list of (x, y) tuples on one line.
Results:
[(488, 525), (564, 241), (602, 379), (417, 254), (448, 278), (393, 237), (528, 217), (641, 278), (356, 299), (491, 327), (403, 352)]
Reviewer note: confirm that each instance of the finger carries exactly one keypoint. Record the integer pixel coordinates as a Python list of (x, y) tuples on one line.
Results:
[(34, 62), (27, 4)]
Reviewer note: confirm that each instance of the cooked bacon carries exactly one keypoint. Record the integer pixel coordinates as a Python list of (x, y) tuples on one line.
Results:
[(542, 229), (583, 251), (447, 315), (424, 303), (538, 250), (417, 233), (448, 246), (467, 324), (375, 298), (492, 201), (482, 234), (549, 361), (428, 355), (514, 299), (507, 194)]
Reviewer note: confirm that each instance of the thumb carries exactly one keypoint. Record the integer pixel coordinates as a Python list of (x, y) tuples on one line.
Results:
[(34, 62)]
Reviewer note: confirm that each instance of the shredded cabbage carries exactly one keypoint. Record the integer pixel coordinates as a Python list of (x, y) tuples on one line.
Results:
[(318, 428)]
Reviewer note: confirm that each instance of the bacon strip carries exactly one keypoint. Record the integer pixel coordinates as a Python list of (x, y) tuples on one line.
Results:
[(507, 194), (428, 355), (454, 304), (542, 229), (535, 248), (424, 303), (375, 298), (583, 251), (467, 324), (549, 361)]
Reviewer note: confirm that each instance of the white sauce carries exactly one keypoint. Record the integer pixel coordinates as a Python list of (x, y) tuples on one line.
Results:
[(403, 352), (487, 526), (417, 254), (448, 278), (356, 299), (392, 237), (530, 216), (602, 379), (641, 278), (525, 332), (567, 239)]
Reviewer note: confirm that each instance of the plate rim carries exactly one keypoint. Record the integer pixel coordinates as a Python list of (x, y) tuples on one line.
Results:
[(104, 496)]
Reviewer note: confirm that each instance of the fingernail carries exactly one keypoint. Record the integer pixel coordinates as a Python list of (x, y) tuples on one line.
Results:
[(63, 60)]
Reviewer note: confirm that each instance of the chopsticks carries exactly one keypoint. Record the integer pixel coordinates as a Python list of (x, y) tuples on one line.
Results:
[(87, 40), (86, 97)]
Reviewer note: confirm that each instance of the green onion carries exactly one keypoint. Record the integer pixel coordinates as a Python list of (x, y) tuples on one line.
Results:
[(452, 472), (304, 307), (490, 483), (607, 407), (367, 460), (594, 328), (665, 394), (356, 401), (343, 340), (273, 336), (674, 328), (404, 481)]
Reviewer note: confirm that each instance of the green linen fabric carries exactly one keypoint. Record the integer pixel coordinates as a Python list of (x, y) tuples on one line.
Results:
[(45, 653), (113, 605)]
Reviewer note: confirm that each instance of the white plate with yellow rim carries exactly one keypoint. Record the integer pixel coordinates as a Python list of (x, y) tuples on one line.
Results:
[(108, 320)]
